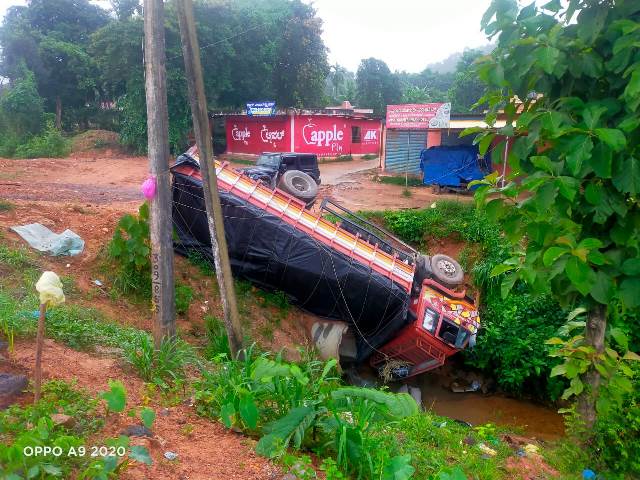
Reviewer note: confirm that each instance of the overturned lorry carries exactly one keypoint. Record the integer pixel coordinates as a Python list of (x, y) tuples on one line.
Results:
[(382, 299)]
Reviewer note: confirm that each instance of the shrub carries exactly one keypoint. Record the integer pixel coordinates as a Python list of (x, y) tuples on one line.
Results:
[(217, 340), (436, 443), (49, 144), (9, 142), (130, 249), (445, 219), (300, 405), (184, 296), (617, 433), (21, 107), (511, 344), (163, 366)]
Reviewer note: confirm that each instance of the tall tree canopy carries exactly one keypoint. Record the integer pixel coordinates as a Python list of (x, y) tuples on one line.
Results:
[(82, 57), (51, 39), (377, 87), (567, 77), (462, 86), (467, 87), (340, 85)]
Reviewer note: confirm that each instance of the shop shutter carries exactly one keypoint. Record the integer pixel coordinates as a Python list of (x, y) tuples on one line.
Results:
[(402, 150)]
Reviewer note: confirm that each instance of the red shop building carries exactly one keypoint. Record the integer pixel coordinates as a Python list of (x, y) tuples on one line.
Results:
[(327, 135)]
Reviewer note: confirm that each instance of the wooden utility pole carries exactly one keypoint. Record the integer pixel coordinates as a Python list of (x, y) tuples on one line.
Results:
[(163, 293), (37, 373), (200, 116)]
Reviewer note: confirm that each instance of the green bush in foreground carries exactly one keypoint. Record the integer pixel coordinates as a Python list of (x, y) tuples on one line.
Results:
[(303, 406), (33, 425), (356, 432), (130, 250), (512, 342), (161, 366)]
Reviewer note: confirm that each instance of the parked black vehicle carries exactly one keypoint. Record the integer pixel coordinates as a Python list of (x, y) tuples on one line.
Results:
[(295, 173)]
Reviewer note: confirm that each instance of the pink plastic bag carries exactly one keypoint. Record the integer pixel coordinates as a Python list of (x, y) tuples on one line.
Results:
[(148, 187)]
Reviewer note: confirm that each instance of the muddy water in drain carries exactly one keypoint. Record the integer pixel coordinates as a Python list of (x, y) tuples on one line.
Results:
[(535, 420)]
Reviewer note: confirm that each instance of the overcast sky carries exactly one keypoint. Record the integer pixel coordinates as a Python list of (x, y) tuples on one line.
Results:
[(407, 34)]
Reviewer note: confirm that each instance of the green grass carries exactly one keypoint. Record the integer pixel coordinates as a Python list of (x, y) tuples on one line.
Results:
[(74, 325), (217, 340), (369, 156), (437, 444), (184, 297), (17, 258), (6, 206), (31, 425), (200, 260), (399, 180)]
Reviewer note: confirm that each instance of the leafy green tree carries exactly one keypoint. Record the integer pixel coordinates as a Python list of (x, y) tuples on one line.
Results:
[(462, 87), (70, 77), (117, 50), (301, 63), (51, 37), (570, 91), (21, 106), (377, 87), (416, 95), (340, 85), (467, 87), (125, 9)]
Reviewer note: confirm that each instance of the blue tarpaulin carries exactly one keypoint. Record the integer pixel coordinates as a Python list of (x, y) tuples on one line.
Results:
[(450, 166)]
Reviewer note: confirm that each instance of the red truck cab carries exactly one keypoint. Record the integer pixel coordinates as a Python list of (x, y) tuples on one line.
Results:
[(444, 321)]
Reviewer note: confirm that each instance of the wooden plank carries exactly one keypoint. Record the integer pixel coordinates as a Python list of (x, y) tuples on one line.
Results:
[(161, 227)]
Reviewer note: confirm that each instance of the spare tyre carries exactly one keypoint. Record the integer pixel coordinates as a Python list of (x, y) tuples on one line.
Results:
[(299, 184), (446, 270)]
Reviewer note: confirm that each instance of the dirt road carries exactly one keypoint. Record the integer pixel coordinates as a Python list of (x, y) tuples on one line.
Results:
[(93, 181)]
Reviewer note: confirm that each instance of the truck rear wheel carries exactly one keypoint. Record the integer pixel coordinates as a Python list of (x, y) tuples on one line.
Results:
[(446, 270), (299, 184)]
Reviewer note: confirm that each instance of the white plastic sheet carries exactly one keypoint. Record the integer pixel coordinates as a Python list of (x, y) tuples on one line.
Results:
[(44, 240)]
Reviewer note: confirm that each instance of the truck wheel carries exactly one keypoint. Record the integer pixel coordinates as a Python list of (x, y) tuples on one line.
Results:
[(299, 184), (446, 270)]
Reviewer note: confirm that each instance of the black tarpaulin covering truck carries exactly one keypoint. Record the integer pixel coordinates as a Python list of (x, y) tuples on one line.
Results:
[(343, 271)]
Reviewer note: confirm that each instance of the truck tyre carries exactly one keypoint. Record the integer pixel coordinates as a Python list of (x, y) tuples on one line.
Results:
[(299, 184), (446, 270)]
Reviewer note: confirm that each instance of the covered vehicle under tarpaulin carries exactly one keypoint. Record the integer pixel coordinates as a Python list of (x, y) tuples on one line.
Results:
[(273, 254), (451, 166)]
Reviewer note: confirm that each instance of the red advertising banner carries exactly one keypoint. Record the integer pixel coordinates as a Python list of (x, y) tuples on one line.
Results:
[(413, 116), (257, 135), (322, 135), (368, 140)]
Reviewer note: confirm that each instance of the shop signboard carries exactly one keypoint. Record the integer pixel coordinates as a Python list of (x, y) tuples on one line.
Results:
[(413, 116), (261, 109)]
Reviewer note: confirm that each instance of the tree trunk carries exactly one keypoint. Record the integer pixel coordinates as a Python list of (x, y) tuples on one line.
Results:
[(58, 113), (594, 337)]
